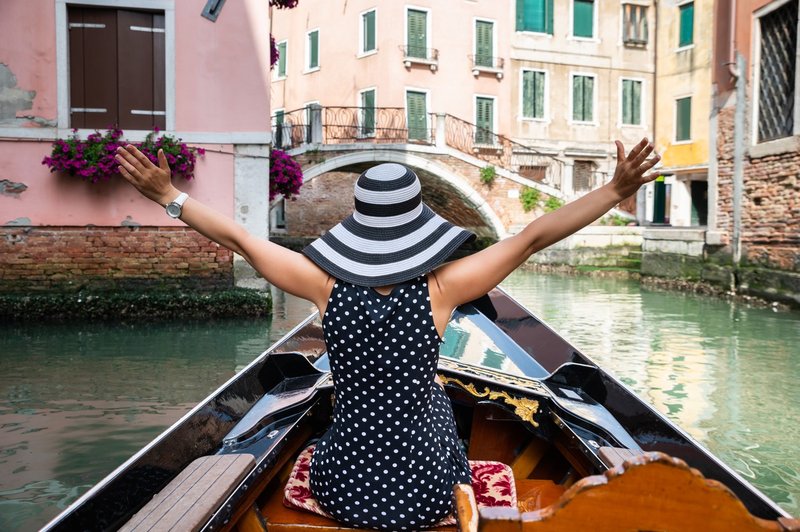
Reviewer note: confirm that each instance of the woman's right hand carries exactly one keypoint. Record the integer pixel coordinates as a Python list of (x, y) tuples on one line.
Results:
[(152, 181)]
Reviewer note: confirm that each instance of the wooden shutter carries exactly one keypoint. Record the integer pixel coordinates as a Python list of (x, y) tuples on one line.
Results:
[(582, 98), (417, 116), (282, 59), (417, 33), (583, 18), (93, 67), (369, 31), (631, 102), (535, 15), (140, 64), (368, 112), (484, 109), (313, 49), (484, 51), (527, 94), (683, 115), (687, 24)]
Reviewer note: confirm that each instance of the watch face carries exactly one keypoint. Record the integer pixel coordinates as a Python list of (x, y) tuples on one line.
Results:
[(174, 210)]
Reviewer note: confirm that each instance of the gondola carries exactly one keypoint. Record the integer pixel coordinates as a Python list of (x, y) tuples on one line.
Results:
[(586, 453)]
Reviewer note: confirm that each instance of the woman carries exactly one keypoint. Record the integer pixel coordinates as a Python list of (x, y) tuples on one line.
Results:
[(379, 279)]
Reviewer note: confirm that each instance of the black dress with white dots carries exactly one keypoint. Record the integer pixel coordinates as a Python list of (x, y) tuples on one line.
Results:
[(391, 455)]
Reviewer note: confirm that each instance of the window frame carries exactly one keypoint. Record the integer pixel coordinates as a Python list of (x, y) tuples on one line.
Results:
[(64, 127), (783, 144), (595, 34), (278, 76), (546, 108), (642, 106), (428, 28), (427, 93), (675, 141), (678, 6), (475, 21), (361, 33), (570, 120), (635, 3), (307, 68), (494, 114), (359, 96)]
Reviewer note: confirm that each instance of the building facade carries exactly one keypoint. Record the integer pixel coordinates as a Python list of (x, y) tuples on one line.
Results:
[(141, 65)]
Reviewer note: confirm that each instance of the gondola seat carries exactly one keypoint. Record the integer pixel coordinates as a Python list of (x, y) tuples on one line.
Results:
[(492, 482)]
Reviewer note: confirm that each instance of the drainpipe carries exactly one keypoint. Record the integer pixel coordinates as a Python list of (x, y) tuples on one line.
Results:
[(738, 160)]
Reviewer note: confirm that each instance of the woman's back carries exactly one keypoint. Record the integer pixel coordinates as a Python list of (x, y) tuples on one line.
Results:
[(391, 455)]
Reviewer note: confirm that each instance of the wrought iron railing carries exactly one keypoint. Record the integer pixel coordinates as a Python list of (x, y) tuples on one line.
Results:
[(364, 124), (412, 53), (291, 129), (501, 151), (487, 61)]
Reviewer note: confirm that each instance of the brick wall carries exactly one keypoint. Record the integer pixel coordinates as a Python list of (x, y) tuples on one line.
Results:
[(69, 258), (770, 205)]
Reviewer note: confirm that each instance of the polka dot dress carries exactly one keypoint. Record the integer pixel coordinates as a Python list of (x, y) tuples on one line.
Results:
[(391, 456)]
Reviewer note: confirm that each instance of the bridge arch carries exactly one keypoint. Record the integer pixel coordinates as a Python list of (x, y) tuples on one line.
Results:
[(358, 161)]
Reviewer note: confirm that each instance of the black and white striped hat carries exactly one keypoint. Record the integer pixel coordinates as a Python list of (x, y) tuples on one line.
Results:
[(391, 236)]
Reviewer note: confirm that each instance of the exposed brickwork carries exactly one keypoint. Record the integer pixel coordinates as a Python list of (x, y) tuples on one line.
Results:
[(770, 206), (68, 258)]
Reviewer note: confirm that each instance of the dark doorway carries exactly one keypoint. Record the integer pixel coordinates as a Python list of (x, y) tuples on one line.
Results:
[(699, 192)]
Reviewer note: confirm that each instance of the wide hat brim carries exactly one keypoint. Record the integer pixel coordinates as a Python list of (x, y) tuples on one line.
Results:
[(372, 256)]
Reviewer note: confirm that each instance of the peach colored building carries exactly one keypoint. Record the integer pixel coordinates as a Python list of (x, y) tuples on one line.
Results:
[(564, 77), (139, 63)]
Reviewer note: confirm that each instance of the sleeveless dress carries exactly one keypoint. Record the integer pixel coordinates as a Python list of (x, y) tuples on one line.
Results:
[(391, 455)]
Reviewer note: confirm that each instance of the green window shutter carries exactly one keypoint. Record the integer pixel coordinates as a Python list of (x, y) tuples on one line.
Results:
[(583, 18), (313, 49), (535, 15), (369, 31), (483, 43), (485, 120), (687, 24), (417, 116), (582, 98), (282, 59), (368, 113), (532, 94), (417, 37), (683, 114), (631, 102)]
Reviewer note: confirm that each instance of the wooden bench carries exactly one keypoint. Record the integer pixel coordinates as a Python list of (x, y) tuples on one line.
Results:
[(194, 495)]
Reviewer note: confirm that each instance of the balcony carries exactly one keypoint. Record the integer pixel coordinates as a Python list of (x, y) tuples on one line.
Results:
[(420, 56), (487, 64)]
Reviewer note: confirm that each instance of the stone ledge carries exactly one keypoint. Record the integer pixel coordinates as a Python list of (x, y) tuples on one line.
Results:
[(675, 233)]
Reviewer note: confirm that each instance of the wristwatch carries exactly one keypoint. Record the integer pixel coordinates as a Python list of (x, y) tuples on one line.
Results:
[(175, 207)]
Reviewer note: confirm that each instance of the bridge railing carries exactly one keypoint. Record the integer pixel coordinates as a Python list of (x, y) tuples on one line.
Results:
[(350, 125), (503, 152)]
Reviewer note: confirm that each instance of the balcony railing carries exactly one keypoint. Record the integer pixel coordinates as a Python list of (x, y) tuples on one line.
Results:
[(487, 63), (420, 55)]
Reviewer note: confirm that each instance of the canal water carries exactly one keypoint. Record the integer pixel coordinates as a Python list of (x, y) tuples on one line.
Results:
[(77, 400)]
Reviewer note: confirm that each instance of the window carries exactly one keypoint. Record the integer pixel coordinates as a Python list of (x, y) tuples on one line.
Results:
[(533, 97), (279, 215), (117, 68), (634, 24), (776, 72), (368, 43), (367, 113), (686, 36), (312, 54), (583, 18), (583, 175), (631, 102), (417, 109), (535, 16), (484, 43), (683, 119), (282, 47), (484, 119), (278, 122), (582, 98), (417, 33)]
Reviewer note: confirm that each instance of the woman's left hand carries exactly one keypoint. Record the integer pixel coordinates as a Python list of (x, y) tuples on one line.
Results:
[(631, 172)]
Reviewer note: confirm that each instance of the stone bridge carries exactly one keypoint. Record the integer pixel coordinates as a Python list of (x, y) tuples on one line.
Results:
[(450, 156)]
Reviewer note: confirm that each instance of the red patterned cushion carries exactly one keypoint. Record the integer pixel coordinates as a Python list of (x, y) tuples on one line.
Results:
[(492, 482)]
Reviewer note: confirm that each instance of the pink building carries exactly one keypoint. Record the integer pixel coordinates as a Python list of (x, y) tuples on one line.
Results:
[(141, 64)]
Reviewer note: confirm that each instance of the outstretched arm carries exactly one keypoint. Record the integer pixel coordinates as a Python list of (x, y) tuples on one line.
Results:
[(467, 279), (286, 269)]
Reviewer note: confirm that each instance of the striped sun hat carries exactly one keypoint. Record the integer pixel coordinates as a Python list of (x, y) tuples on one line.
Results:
[(391, 237)]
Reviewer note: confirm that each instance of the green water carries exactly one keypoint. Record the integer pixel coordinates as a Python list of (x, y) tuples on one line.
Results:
[(77, 400)]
